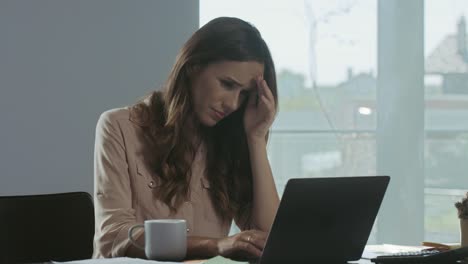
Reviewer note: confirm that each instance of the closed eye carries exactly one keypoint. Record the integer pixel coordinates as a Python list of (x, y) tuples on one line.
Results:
[(230, 85)]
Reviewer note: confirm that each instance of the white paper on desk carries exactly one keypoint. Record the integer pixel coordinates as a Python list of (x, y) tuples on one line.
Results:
[(116, 261), (372, 251)]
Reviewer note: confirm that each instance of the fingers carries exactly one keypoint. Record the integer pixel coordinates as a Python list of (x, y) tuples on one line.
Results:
[(264, 89), (264, 93), (260, 234), (244, 245), (249, 248), (252, 98), (256, 238)]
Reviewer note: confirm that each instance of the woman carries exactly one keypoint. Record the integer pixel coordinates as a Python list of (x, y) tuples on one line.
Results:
[(195, 150)]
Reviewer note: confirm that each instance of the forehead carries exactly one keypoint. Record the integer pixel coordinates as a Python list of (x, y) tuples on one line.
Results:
[(243, 71)]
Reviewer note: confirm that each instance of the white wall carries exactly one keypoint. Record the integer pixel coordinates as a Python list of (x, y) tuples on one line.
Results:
[(62, 63)]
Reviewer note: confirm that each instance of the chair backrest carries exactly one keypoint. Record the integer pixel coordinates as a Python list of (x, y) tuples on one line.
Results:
[(39, 228)]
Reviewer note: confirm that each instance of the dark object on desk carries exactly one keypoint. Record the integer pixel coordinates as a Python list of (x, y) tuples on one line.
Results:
[(462, 207), (324, 220), (39, 228), (425, 256)]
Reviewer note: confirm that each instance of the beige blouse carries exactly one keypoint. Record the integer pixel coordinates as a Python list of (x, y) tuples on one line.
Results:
[(123, 189)]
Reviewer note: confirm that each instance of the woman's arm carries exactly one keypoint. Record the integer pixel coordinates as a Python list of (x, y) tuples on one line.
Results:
[(114, 213), (265, 195), (201, 247), (259, 116)]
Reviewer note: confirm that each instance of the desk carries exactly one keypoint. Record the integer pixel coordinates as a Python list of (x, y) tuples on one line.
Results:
[(370, 251), (141, 261), (116, 261)]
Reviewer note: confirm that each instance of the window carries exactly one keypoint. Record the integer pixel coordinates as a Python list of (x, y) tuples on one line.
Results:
[(446, 112), (366, 88)]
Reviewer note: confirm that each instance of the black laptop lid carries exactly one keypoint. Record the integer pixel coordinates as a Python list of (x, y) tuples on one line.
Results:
[(324, 219)]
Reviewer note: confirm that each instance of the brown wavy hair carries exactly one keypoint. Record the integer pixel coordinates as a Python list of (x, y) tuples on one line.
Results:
[(165, 115)]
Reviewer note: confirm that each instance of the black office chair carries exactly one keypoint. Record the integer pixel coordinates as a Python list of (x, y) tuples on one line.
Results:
[(40, 228)]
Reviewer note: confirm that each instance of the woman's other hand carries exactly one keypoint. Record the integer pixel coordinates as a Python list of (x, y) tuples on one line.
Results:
[(260, 111), (246, 245)]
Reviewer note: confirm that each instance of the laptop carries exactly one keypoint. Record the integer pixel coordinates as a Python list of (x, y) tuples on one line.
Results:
[(324, 220)]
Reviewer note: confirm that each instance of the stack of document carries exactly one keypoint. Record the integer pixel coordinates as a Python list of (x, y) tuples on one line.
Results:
[(372, 251)]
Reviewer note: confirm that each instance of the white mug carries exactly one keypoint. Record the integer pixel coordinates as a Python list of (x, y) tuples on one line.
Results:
[(165, 239)]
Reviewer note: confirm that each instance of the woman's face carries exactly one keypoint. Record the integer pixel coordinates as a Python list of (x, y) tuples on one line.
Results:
[(220, 89)]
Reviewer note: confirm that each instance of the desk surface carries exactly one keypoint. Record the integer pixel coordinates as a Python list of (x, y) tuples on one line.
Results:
[(369, 252), (141, 261)]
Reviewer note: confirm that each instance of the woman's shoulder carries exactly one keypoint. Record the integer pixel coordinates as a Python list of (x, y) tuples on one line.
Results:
[(115, 115), (131, 117), (137, 115)]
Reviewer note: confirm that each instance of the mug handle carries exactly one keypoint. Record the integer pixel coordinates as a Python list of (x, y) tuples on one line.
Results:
[(130, 236)]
